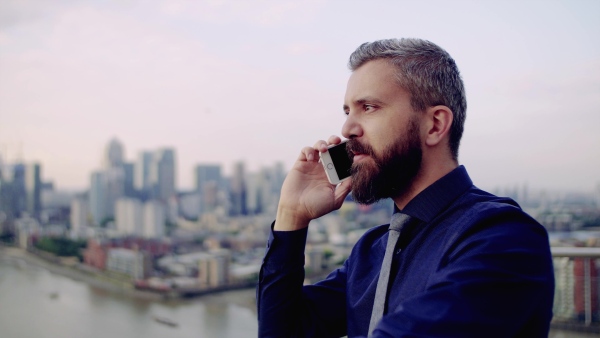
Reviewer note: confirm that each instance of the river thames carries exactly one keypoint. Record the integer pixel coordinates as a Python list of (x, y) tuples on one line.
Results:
[(37, 303)]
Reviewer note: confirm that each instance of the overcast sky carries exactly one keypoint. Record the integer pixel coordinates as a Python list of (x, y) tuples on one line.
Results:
[(224, 81)]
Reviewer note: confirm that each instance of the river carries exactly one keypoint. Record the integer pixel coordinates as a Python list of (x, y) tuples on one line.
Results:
[(37, 303)]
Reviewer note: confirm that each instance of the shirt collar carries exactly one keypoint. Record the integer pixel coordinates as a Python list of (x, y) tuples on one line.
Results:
[(435, 198)]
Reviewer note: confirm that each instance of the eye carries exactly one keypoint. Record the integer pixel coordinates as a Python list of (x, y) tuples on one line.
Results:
[(368, 107)]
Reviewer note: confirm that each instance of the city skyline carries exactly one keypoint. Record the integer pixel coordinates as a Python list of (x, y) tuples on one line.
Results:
[(223, 82)]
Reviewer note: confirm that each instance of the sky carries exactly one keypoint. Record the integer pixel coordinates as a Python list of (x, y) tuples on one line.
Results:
[(255, 81)]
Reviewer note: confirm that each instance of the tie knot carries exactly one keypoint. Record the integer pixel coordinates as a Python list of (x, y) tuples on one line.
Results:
[(398, 221)]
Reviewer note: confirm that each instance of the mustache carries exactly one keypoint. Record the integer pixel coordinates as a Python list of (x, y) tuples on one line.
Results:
[(354, 146)]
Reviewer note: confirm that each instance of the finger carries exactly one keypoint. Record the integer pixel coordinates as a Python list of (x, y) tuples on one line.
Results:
[(321, 146), (308, 154), (341, 191), (333, 139)]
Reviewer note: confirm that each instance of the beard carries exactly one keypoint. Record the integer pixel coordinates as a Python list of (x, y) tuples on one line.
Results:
[(389, 174)]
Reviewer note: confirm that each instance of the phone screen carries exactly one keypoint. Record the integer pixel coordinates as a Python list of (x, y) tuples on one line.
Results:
[(341, 161)]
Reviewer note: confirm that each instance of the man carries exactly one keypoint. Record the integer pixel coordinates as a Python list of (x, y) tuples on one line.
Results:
[(466, 264)]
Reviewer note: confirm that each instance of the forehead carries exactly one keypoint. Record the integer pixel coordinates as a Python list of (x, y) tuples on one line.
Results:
[(376, 78)]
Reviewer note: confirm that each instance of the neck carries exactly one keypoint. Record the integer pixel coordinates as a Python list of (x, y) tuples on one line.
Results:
[(430, 172)]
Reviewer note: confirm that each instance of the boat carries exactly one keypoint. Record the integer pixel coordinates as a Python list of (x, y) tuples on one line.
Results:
[(165, 321)]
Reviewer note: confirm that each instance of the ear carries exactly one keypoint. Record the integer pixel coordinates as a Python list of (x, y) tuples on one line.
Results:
[(439, 120)]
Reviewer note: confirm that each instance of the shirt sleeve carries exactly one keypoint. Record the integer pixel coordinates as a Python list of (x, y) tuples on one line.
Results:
[(286, 308)]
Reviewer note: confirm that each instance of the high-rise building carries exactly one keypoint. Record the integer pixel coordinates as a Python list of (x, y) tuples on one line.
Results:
[(162, 174), (113, 154), (129, 216), (128, 179), (255, 192), (238, 190), (115, 187), (142, 172), (79, 215), (210, 196), (33, 186), (19, 188), (154, 219), (205, 173), (98, 197)]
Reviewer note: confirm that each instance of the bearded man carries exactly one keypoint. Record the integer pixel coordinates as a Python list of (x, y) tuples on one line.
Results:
[(454, 261)]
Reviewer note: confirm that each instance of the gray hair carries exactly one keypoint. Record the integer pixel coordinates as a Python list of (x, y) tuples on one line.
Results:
[(427, 72)]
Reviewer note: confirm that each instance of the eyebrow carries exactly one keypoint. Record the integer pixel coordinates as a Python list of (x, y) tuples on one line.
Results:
[(363, 101)]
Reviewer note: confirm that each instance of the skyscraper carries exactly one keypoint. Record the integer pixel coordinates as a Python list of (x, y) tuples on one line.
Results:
[(142, 173), (33, 186), (79, 215), (154, 219), (129, 216), (98, 197), (114, 154), (162, 174), (205, 173), (237, 190)]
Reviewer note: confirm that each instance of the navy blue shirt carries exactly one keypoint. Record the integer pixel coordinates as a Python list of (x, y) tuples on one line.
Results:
[(471, 265)]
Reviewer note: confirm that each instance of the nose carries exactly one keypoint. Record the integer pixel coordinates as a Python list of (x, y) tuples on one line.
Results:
[(352, 127)]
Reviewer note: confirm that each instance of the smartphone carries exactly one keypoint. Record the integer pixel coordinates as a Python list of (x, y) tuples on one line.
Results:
[(336, 162)]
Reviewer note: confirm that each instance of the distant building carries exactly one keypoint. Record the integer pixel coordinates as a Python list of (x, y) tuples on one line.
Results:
[(314, 257), (79, 215), (129, 216), (113, 154), (162, 174), (98, 197), (26, 227), (129, 262), (238, 191), (205, 173), (33, 186), (213, 268), (95, 254), (142, 173), (154, 219)]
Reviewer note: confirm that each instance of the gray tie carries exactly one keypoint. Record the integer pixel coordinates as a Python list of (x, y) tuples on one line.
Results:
[(398, 221)]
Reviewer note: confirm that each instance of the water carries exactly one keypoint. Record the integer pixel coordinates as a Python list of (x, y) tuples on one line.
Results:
[(37, 303)]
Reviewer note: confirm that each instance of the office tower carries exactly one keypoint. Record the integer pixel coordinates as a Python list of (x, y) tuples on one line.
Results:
[(255, 192), (18, 188), (33, 186), (98, 197), (128, 179), (142, 172), (115, 187), (129, 216), (210, 196), (208, 183), (205, 173), (237, 190), (154, 219), (79, 215), (113, 154), (162, 174)]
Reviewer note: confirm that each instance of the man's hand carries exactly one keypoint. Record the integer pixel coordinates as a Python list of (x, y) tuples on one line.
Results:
[(306, 193)]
